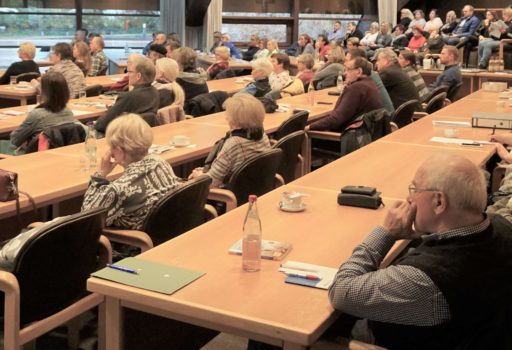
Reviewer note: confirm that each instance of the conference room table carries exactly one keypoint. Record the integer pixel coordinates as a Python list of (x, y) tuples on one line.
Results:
[(260, 305)]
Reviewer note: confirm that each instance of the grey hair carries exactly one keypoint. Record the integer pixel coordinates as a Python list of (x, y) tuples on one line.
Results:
[(263, 64), (389, 54)]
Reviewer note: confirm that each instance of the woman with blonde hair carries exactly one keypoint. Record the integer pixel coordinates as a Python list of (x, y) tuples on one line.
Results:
[(26, 53), (146, 178), (449, 24), (326, 76), (272, 47), (166, 72), (222, 56), (246, 137), (263, 51), (82, 56)]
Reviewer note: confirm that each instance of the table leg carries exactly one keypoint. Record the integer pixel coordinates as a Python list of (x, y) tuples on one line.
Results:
[(114, 324), (23, 101), (306, 151)]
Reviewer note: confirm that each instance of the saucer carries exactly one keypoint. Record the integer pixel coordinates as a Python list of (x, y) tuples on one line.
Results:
[(181, 144), (291, 209)]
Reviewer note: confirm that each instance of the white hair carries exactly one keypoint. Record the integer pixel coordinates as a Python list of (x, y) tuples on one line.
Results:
[(263, 64)]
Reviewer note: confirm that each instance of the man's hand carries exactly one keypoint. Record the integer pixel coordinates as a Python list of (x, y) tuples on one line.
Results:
[(504, 138), (399, 220)]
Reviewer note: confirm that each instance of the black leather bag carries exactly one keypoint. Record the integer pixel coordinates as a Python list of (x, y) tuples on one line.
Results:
[(360, 196)]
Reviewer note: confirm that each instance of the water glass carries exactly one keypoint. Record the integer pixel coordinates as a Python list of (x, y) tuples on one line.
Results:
[(84, 163), (82, 94), (12, 80)]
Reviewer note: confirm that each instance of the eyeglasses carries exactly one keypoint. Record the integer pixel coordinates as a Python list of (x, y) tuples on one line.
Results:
[(413, 189)]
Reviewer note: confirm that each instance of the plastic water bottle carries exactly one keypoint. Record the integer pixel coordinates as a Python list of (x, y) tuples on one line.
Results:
[(251, 243), (339, 82), (90, 146)]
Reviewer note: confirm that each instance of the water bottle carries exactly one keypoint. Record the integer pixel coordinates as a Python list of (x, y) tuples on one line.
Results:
[(90, 146), (339, 82), (251, 243), (126, 48), (501, 65)]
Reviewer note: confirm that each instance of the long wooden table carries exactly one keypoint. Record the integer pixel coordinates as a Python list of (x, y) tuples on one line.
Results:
[(260, 305)]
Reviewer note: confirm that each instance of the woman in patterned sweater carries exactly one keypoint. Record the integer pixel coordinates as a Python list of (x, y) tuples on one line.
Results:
[(146, 178)]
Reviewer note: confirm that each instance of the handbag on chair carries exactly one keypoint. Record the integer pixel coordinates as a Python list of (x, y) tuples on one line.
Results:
[(9, 191)]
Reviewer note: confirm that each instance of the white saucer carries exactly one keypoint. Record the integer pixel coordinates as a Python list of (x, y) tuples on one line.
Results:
[(181, 144), (291, 209)]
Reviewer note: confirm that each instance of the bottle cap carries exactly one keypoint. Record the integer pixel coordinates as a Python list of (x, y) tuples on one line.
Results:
[(252, 198)]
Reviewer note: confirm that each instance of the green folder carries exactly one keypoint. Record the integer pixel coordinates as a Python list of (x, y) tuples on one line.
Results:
[(152, 276)]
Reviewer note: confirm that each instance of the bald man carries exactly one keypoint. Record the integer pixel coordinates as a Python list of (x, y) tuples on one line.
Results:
[(451, 291)]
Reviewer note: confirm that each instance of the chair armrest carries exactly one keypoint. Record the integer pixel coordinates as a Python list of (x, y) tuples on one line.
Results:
[(104, 251), (131, 237), (502, 44), (418, 115), (324, 135), (279, 181), (272, 142), (497, 176), (35, 224), (9, 285), (225, 196), (394, 127), (188, 116), (209, 212)]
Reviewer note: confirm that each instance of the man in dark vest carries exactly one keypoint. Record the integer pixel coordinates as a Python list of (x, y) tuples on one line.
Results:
[(453, 290)]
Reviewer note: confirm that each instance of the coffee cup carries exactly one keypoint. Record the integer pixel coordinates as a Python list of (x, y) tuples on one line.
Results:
[(180, 140), (427, 63), (450, 132), (291, 200)]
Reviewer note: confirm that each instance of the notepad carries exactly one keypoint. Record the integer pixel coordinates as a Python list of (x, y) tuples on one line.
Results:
[(271, 250), (156, 277), (326, 274), (455, 123)]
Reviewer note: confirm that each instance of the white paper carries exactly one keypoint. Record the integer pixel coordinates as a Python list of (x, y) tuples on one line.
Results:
[(451, 123), (13, 113), (77, 113), (326, 274), (158, 149), (456, 141)]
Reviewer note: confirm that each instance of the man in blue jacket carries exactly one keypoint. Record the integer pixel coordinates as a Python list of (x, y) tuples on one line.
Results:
[(466, 27)]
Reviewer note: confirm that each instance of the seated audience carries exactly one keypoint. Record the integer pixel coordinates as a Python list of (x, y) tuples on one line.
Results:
[(166, 72), (384, 39), (81, 35), (252, 48), (352, 32), (384, 96), (352, 43), (173, 37), (170, 46), (61, 57), (303, 45), (143, 99), (99, 61), (232, 49), (246, 138), (406, 17), (305, 64), (326, 75), (451, 76), (217, 41), (502, 202), (487, 47), (400, 40), (122, 85), (370, 38), (321, 47), (146, 178), (190, 78), (466, 27), (51, 111), (449, 25), (359, 96), (417, 40), (262, 49), (261, 69), (272, 47), (156, 51), (437, 295), (481, 34), (418, 22), (221, 62), (399, 85), (407, 61), (280, 76), (336, 34), (26, 53), (158, 38), (82, 56), (434, 44), (434, 22)]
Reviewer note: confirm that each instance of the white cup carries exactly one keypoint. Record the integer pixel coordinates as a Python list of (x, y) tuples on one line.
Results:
[(427, 63), (292, 200), (180, 140), (450, 132)]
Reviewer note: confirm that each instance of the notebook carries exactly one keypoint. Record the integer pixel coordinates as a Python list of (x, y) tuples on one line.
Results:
[(326, 274)]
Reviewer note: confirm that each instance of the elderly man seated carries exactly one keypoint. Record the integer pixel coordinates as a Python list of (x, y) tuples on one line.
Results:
[(453, 289)]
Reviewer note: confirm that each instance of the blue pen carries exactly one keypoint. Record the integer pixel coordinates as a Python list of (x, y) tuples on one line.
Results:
[(124, 269)]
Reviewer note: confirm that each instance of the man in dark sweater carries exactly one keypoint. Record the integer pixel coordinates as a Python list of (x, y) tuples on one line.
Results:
[(26, 53), (399, 85), (142, 100), (359, 96), (452, 290), (451, 75)]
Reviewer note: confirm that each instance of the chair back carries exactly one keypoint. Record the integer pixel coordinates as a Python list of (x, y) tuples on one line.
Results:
[(27, 76), (57, 136), (178, 211), (170, 114), (53, 266), (436, 103), (93, 90), (226, 73), (454, 91), (149, 117), (256, 175), (207, 103), (296, 122), (434, 92), (291, 146), (403, 114)]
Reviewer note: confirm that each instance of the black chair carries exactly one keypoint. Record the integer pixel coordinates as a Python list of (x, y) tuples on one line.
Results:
[(292, 163), (207, 103), (454, 91), (434, 92), (403, 114), (296, 122), (177, 212), (27, 76), (149, 117), (436, 103), (47, 285), (57, 136), (93, 90), (257, 175), (226, 73)]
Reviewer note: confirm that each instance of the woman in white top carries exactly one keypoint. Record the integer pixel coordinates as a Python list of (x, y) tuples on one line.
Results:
[(434, 22), (262, 52), (371, 36), (280, 77), (419, 20)]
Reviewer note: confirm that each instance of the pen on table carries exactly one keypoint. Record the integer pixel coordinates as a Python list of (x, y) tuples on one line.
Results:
[(120, 268), (493, 130), (324, 103), (306, 276), (471, 144)]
